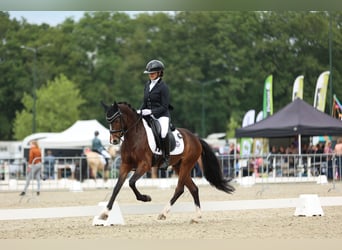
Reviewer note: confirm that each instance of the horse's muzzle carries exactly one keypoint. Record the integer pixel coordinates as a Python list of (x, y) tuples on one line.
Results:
[(116, 141)]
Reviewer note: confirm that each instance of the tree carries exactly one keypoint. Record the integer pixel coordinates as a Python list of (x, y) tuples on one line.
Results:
[(232, 125), (58, 106), (105, 53)]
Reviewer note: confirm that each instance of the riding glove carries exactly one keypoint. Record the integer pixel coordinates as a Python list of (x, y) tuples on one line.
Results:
[(146, 112)]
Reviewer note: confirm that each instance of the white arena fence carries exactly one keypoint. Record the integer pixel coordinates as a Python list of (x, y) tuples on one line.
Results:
[(66, 171), (277, 167)]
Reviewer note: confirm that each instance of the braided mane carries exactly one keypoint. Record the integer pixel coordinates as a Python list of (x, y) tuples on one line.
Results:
[(129, 105), (113, 111)]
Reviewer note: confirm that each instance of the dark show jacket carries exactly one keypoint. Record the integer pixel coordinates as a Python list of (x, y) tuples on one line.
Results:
[(158, 99)]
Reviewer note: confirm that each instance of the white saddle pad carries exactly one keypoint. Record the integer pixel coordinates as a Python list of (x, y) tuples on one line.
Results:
[(152, 143)]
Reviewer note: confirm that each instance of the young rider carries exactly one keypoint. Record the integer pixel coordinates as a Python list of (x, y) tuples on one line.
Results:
[(156, 102)]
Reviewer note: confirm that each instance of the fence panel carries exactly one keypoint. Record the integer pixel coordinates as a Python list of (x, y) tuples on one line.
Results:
[(61, 173)]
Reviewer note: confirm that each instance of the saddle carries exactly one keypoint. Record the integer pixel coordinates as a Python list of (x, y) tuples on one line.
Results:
[(156, 130)]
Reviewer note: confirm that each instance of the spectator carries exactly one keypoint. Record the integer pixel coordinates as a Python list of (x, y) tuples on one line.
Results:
[(49, 165), (328, 156), (233, 158), (34, 167), (338, 152), (318, 157), (282, 150), (273, 159)]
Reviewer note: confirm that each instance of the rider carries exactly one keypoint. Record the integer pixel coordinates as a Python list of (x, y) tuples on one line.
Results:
[(99, 148), (157, 102)]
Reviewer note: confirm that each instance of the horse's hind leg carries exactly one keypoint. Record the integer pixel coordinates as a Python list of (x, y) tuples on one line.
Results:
[(188, 182), (195, 195), (178, 192)]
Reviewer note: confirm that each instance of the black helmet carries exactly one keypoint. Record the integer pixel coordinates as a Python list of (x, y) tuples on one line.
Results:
[(154, 66), (96, 133)]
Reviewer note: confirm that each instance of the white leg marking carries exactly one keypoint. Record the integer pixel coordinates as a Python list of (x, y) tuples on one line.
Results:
[(164, 213)]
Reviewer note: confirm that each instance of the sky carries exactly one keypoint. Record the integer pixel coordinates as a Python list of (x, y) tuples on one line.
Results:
[(52, 18)]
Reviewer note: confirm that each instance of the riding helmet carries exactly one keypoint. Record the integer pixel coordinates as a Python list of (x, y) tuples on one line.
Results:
[(154, 66)]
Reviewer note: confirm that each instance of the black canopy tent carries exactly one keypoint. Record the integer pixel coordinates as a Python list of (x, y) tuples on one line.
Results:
[(295, 119)]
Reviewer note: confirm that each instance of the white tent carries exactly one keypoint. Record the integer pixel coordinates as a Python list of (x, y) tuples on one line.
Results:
[(79, 135), (36, 136)]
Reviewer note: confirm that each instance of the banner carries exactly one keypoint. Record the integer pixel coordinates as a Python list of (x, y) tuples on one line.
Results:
[(260, 146), (268, 97), (246, 147), (337, 108), (298, 85), (247, 143), (259, 116), (321, 91), (249, 117)]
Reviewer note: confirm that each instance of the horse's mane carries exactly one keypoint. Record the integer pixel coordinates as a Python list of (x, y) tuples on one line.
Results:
[(128, 105), (114, 110)]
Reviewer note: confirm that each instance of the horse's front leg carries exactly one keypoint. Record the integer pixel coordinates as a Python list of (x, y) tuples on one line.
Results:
[(136, 176), (119, 183)]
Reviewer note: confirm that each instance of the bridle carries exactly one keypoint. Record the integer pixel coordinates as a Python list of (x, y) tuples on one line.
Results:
[(122, 131)]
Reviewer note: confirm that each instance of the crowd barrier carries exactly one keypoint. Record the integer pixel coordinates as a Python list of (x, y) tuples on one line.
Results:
[(65, 171), (283, 166)]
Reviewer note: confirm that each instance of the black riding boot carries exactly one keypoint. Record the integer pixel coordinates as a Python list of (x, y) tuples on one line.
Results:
[(106, 166), (166, 153)]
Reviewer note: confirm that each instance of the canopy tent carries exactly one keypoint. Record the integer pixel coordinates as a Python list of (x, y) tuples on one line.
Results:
[(296, 118), (79, 135)]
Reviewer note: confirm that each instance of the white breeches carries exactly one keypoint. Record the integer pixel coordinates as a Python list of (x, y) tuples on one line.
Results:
[(164, 124), (105, 154)]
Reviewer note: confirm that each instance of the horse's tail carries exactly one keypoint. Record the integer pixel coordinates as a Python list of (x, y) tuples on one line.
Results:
[(212, 170)]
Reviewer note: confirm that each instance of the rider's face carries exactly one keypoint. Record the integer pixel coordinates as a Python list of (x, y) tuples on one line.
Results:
[(153, 75)]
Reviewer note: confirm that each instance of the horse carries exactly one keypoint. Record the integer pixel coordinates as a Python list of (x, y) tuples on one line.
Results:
[(137, 156), (96, 163)]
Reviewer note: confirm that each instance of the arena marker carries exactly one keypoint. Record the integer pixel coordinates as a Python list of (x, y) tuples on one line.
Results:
[(76, 186), (114, 216), (309, 205), (322, 179)]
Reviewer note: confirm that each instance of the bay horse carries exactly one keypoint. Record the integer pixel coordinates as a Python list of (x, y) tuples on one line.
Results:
[(136, 155)]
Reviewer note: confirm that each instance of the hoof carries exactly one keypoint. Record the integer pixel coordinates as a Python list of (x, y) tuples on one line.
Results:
[(161, 217), (145, 198), (103, 216), (194, 221)]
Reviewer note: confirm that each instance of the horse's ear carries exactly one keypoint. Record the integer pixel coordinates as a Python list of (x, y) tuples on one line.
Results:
[(104, 106)]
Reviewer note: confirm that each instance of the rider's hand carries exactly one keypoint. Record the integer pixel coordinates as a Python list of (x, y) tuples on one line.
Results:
[(146, 112), (139, 111)]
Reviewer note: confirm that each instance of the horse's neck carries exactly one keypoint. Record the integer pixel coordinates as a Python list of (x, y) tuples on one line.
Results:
[(134, 132)]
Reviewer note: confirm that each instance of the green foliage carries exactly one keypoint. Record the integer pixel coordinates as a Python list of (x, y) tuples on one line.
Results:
[(105, 53), (232, 125), (58, 107)]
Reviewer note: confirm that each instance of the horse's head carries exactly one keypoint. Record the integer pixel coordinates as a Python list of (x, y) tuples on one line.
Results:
[(119, 117), (115, 121)]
